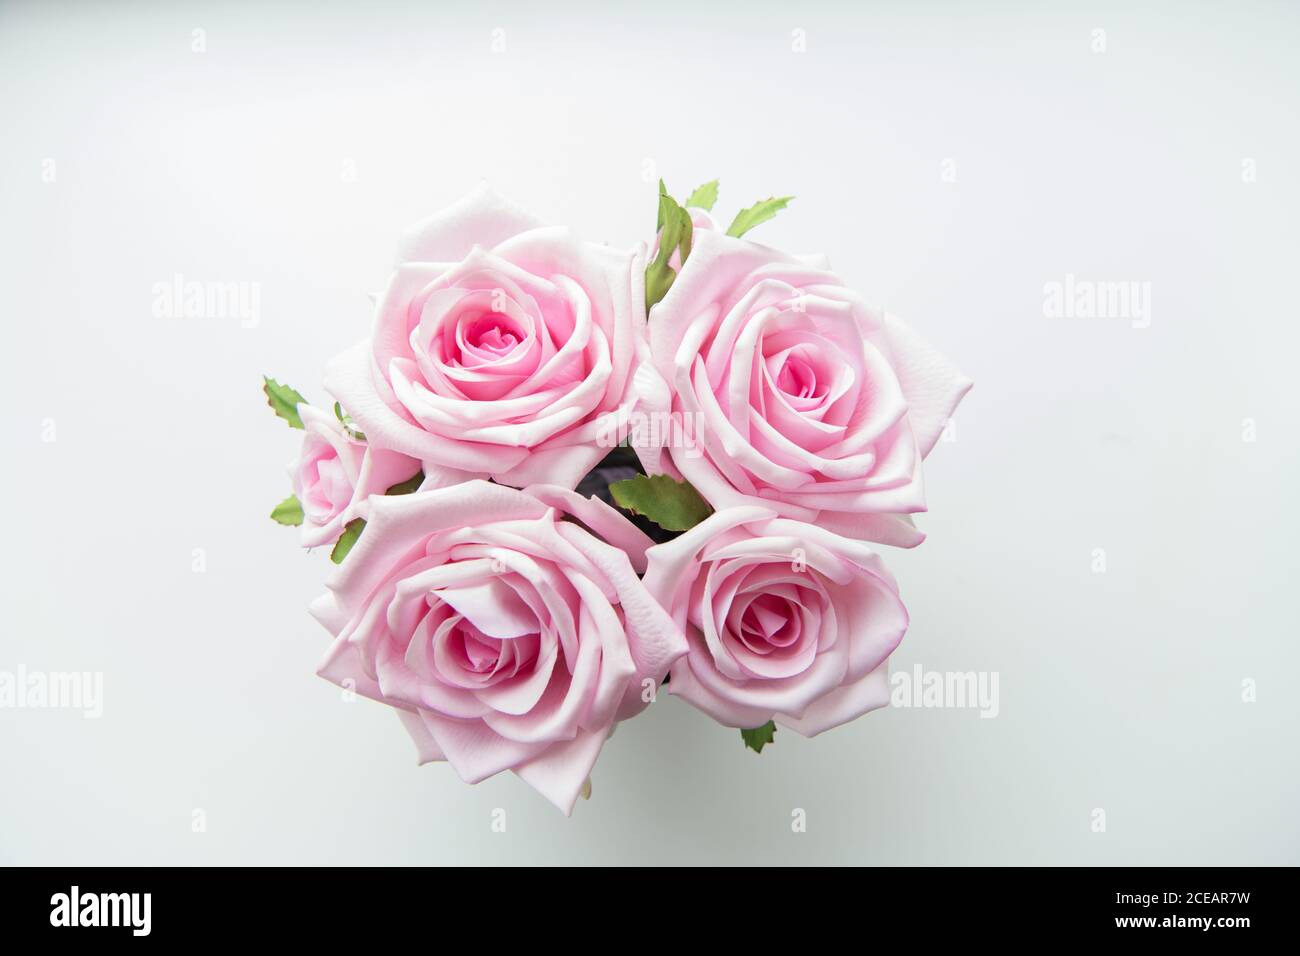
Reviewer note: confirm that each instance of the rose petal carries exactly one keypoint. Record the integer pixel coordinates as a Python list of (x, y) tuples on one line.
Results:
[(931, 384), (426, 748), (483, 218), (560, 771), (842, 705)]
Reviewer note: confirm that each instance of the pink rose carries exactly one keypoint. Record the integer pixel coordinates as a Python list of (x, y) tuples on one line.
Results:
[(501, 348), (506, 637), (785, 621), (336, 474), (799, 396)]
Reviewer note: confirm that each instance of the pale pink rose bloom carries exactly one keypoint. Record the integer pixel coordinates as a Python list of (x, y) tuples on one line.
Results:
[(785, 621), (506, 637), (501, 348), (798, 395), (335, 475)]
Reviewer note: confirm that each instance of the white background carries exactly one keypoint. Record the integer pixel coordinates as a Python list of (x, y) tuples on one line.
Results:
[(1119, 690)]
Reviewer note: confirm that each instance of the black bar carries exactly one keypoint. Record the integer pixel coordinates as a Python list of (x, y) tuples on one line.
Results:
[(1162, 905)]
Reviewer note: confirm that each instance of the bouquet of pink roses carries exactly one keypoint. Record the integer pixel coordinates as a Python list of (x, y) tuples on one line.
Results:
[(558, 476)]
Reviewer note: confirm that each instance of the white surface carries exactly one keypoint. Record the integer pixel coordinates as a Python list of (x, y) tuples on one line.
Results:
[(1119, 691)]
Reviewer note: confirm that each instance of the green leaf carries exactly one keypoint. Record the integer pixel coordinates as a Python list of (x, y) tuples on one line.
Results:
[(288, 511), (658, 280), (761, 211), (346, 421), (407, 486), (284, 401), (351, 531), (673, 505), (704, 196), (675, 233), (759, 737)]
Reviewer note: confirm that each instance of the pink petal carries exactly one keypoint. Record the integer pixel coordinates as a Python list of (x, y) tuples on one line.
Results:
[(931, 384), (609, 524), (562, 465), (350, 378), (842, 705), (493, 607), (426, 748), (483, 218), (896, 530), (474, 750), (560, 771)]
